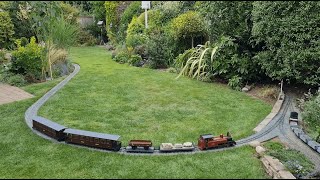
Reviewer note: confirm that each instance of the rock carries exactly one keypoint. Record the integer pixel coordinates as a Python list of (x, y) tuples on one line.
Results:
[(286, 175), (7, 56), (260, 150), (254, 143), (178, 146), (246, 88)]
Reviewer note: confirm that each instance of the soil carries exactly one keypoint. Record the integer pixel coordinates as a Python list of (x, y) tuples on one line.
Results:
[(256, 92)]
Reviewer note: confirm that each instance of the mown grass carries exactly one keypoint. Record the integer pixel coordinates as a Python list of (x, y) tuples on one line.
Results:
[(141, 103), (27, 155)]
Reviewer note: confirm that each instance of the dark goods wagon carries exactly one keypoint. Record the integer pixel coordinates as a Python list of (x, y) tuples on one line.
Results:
[(48, 128), (93, 139), (208, 141)]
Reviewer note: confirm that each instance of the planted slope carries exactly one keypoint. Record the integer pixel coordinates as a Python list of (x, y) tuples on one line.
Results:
[(141, 103)]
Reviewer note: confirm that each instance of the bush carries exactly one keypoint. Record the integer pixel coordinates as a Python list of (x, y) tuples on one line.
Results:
[(2, 56), (28, 60), (311, 113), (86, 39), (159, 49), (188, 25), (288, 36), (6, 30), (10, 78), (134, 9), (235, 82), (122, 57), (24, 41), (135, 60)]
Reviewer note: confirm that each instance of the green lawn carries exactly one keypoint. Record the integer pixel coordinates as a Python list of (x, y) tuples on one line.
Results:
[(26, 155), (141, 103)]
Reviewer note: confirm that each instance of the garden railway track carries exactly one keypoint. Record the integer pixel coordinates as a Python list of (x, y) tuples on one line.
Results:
[(277, 127)]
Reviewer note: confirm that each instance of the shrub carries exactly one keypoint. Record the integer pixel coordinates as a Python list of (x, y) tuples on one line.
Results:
[(2, 56), (134, 9), (24, 41), (311, 113), (159, 50), (122, 57), (28, 60), (135, 60), (6, 29), (10, 78), (188, 25), (235, 82), (137, 34), (86, 39), (288, 36)]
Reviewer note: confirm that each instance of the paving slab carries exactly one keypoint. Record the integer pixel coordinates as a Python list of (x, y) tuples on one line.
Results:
[(10, 94)]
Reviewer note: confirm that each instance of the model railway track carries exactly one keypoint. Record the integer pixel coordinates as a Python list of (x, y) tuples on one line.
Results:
[(278, 119), (267, 130)]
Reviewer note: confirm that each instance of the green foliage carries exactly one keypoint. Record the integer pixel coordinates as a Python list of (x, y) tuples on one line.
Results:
[(12, 79), (28, 60), (122, 57), (63, 33), (20, 15), (232, 18), (295, 161), (24, 41), (134, 9), (6, 30), (311, 113), (99, 10), (135, 33), (199, 61), (159, 49), (86, 39), (135, 60), (288, 36), (70, 13), (190, 24), (235, 82)]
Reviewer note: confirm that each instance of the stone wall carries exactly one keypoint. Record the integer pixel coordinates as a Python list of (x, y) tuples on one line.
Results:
[(272, 165)]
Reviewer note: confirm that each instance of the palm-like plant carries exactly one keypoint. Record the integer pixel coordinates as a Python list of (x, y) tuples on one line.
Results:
[(199, 61)]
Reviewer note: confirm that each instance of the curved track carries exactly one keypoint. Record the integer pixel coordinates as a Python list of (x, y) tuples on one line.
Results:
[(278, 126)]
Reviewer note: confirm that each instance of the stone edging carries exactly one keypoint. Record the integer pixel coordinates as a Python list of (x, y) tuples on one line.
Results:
[(272, 165), (275, 110), (33, 110)]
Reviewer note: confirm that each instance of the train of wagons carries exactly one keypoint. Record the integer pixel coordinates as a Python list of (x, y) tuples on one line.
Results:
[(113, 143)]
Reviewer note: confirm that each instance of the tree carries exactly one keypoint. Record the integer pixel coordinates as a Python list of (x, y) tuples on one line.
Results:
[(189, 24)]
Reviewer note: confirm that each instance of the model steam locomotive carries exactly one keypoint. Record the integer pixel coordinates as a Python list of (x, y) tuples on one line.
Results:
[(112, 142)]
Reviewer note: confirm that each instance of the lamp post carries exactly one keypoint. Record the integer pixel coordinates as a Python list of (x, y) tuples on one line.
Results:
[(145, 5), (100, 24)]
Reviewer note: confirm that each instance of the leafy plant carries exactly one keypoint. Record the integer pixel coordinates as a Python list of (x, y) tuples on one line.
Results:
[(235, 82), (199, 62), (188, 25), (6, 29), (135, 60), (29, 60)]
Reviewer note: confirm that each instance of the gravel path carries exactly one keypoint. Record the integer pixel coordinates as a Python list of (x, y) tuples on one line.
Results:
[(278, 127)]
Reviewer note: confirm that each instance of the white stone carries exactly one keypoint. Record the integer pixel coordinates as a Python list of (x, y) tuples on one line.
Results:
[(260, 150), (254, 143), (187, 144)]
